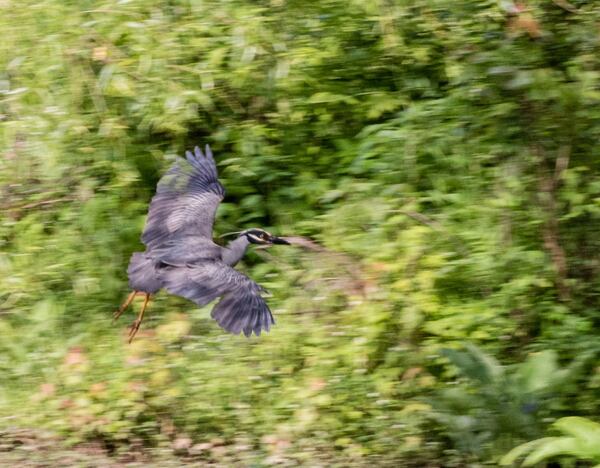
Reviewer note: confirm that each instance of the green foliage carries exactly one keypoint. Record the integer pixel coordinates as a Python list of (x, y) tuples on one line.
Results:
[(443, 152), (581, 440), (495, 405)]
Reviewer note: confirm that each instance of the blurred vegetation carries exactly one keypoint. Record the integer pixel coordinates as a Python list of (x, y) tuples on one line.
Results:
[(582, 440), (444, 152)]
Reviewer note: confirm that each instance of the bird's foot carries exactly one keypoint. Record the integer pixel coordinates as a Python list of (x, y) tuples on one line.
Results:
[(117, 314), (135, 326), (124, 306)]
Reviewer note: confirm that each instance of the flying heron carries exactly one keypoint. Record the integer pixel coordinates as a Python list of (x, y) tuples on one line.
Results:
[(182, 258)]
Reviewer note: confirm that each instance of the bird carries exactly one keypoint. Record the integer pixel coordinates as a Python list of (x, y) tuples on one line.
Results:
[(182, 258)]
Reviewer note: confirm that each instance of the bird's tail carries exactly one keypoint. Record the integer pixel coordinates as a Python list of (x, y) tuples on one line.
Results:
[(142, 273)]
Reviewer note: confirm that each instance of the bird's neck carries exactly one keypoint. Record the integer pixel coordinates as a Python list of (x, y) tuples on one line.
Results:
[(235, 250)]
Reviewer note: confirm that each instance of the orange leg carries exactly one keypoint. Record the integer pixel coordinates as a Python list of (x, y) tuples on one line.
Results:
[(136, 325), (124, 306)]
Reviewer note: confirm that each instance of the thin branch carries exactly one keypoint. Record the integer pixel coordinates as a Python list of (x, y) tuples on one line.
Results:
[(420, 217), (566, 6), (547, 186), (307, 243), (118, 12), (562, 163), (38, 204), (436, 226), (354, 280)]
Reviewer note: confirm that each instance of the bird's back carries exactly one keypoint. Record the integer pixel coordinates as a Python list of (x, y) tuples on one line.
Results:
[(143, 271)]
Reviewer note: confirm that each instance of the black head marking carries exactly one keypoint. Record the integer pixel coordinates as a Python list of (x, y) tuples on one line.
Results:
[(262, 237), (258, 236)]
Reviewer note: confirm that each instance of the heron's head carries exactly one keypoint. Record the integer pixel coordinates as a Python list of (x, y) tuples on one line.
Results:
[(262, 237)]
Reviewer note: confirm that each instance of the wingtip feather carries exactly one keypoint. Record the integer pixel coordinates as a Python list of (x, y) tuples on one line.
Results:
[(198, 152), (235, 317)]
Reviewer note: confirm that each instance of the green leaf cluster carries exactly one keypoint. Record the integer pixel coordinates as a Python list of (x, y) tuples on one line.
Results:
[(581, 440), (492, 405)]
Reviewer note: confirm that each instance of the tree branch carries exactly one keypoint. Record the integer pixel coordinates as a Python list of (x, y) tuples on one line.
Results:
[(547, 186)]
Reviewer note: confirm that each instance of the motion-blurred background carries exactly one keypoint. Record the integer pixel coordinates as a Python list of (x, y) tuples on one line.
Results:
[(444, 153)]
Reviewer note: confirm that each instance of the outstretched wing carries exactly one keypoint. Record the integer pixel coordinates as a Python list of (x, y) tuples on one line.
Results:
[(186, 200), (241, 308)]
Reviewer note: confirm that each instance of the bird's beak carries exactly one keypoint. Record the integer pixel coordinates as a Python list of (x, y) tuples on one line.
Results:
[(279, 240)]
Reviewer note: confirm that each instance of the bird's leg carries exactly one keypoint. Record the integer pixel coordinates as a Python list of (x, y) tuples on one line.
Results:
[(124, 306), (136, 325)]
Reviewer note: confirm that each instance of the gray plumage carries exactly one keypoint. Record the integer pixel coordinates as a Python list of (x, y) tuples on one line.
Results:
[(142, 273), (241, 307), (186, 200), (181, 256), (234, 251)]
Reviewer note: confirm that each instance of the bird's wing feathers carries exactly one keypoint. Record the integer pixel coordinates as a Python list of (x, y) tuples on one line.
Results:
[(241, 308), (186, 200)]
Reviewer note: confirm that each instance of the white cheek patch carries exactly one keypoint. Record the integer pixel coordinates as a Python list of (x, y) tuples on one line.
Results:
[(258, 240)]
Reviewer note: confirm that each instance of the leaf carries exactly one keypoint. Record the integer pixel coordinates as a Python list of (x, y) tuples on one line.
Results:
[(581, 428), (539, 371), (551, 447), (520, 450), (584, 443), (325, 97), (120, 85), (475, 364)]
